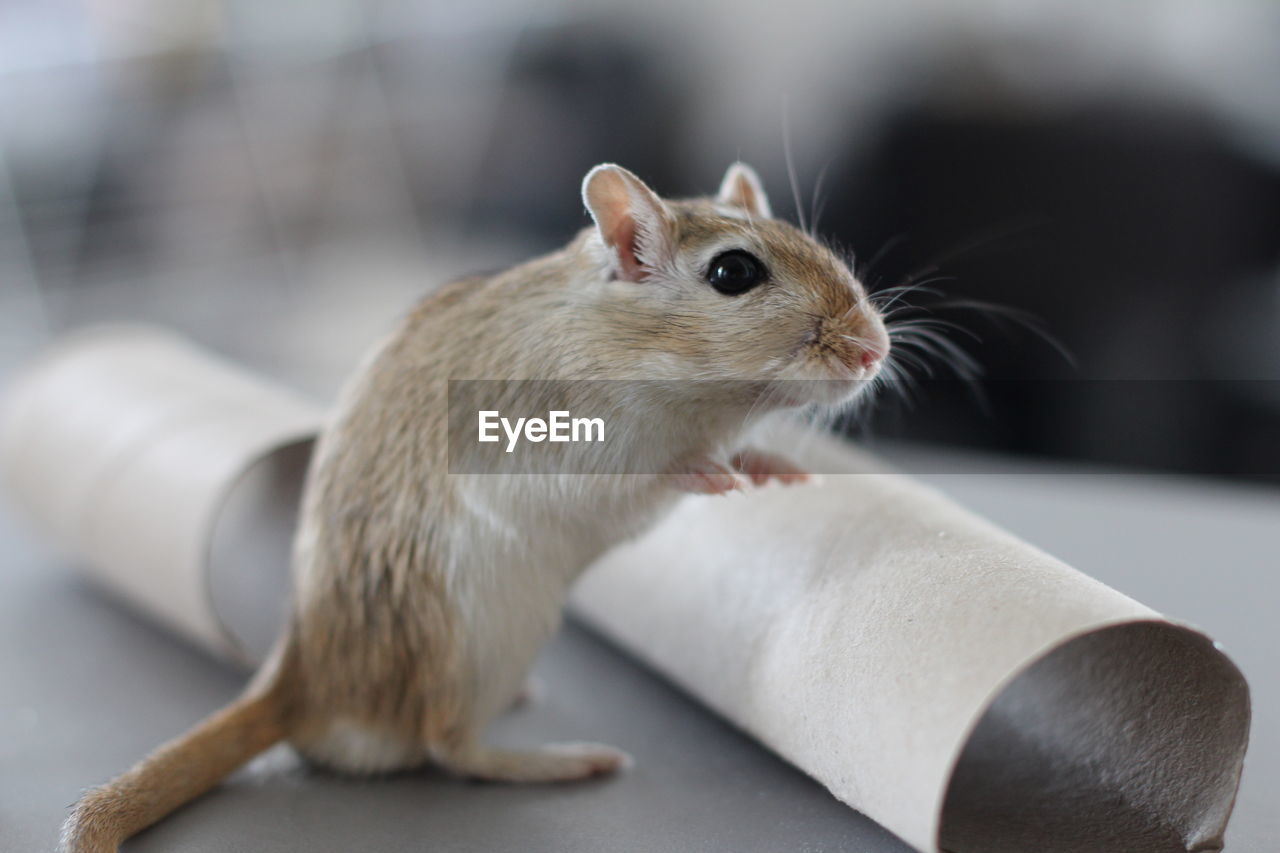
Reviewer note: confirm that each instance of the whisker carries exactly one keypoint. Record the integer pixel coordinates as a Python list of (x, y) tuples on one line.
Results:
[(817, 202), (913, 360), (934, 323), (900, 292), (955, 357), (981, 240), (790, 163), (1023, 319), (889, 245), (903, 383), (924, 344)]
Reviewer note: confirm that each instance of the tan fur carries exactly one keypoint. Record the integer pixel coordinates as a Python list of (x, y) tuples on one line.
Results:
[(186, 767), (420, 596)]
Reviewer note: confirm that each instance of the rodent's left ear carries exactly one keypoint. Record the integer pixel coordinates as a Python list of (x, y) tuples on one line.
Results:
[(633, 222), (741, 187)]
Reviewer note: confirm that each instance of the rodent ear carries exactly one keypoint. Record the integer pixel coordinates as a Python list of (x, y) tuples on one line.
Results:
[(741, 187), (633, 222)]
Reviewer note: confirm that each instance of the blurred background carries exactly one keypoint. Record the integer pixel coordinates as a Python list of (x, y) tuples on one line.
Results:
[(281, 179)]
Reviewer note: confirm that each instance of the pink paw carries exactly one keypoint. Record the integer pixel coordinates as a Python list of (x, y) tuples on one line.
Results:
[(759, 467), (705, 476)]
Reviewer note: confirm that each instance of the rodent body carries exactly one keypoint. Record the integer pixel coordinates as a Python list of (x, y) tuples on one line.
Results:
[(421, 597)]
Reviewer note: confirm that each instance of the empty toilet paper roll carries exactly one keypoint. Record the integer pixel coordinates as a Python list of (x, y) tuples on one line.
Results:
[(966, 690), (959, 686), (135, 451)]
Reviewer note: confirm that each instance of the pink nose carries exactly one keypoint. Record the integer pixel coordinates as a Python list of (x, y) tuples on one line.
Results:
[(873, 352), (874, 349)]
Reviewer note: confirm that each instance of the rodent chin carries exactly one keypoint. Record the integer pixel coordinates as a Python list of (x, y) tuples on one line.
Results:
[(797, 393)]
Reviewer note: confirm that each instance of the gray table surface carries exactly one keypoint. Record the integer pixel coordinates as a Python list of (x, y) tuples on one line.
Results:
[(87, 687)]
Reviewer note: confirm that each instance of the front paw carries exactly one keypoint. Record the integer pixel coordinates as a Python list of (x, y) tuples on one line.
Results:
[(760, 467), (702, 475)]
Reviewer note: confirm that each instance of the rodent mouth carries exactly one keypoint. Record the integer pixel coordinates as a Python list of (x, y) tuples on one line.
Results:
[(831, 364)]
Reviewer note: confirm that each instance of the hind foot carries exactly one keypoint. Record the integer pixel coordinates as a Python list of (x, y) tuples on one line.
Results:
[(553, 762)]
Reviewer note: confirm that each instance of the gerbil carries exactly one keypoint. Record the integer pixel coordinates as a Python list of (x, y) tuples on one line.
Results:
[(421, 597)]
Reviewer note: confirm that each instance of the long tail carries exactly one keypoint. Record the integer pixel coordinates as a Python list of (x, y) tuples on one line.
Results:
[(180, 770)]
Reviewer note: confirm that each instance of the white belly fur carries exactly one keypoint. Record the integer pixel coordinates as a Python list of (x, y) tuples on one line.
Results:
[(353, 748)]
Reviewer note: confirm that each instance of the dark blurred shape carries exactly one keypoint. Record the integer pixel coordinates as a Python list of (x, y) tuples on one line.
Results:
[(1124, 225), (1100, 166), (576, 95)]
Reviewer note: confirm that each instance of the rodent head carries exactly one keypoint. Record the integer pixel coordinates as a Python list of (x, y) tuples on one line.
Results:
[(716, 288)]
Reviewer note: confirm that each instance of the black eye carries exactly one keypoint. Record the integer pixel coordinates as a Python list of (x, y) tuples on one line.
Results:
[(735, 272)]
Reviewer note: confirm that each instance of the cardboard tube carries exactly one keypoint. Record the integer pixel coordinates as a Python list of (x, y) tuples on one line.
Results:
[(126, 443), (959, 686), (963, 688)]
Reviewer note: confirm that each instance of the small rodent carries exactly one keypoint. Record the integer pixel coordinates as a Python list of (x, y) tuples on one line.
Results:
[(422, 597)]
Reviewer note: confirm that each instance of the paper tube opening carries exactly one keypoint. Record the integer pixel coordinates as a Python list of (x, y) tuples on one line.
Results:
[(127, 443), (249, 549), (1172, 715)]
